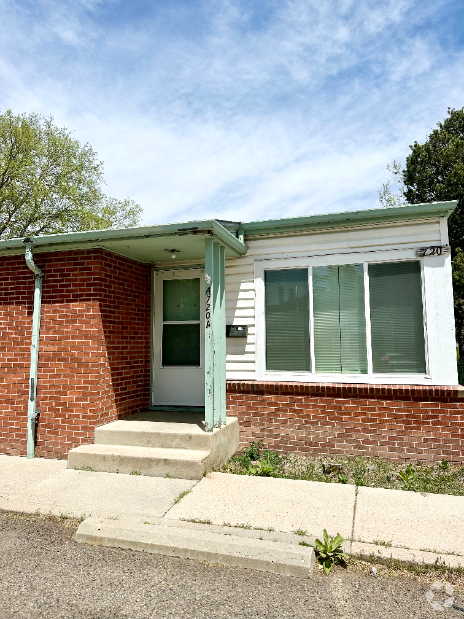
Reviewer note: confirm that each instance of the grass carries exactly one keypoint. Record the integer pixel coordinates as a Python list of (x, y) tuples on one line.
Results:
[(437, 478), (380, 542), (418, 571), (197, 520), (181, 496), (63, 519)]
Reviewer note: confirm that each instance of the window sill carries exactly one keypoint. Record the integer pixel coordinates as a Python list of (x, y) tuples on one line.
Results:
[(373, 379)]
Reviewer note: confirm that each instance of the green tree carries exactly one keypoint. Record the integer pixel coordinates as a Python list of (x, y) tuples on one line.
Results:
[(51, 183), (434, 172), (387, 197)]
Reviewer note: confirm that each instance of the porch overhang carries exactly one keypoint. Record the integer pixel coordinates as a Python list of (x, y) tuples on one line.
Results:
[(147, 244)]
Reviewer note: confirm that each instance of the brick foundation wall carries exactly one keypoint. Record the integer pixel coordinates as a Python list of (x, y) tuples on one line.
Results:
[(388, 421), (94, 356)]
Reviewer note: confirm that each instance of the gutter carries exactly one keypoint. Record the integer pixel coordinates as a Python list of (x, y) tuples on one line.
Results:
[(32, 410)]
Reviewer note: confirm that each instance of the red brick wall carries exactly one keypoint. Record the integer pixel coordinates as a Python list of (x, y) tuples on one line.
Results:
[(388, 421), (94, 346)]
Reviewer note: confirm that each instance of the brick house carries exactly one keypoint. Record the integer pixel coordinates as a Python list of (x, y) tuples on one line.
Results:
[(325, 334)]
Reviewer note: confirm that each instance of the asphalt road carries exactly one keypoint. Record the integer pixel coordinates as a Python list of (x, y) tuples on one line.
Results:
[(45, 573)]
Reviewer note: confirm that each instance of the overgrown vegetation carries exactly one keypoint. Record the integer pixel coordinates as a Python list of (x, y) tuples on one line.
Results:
[(439, 478)]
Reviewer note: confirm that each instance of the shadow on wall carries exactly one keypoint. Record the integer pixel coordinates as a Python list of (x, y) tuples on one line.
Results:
[(94, 357)]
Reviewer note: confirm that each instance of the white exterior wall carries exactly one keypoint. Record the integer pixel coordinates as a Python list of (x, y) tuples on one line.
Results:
[(358, 244)]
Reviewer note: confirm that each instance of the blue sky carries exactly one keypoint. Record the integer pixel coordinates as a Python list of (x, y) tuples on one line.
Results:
[(236, 109)]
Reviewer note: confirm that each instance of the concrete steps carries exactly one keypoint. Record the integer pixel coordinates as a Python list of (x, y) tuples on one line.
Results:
[(224, 547), (151, 461), (158, 444)]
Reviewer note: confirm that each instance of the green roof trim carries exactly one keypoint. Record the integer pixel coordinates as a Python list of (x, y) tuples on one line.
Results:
[(149, 244), (350, 218), (137, 242)]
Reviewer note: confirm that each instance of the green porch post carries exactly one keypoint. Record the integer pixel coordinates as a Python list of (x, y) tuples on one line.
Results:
[(221, 362), (209, 341), (215, 375)]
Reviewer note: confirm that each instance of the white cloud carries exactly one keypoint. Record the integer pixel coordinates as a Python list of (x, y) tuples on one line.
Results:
[(215, 109)]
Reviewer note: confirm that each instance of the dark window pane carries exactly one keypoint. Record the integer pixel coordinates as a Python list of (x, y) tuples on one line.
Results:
[(181, 345), (287, 320), (397, 319), (181, 299)]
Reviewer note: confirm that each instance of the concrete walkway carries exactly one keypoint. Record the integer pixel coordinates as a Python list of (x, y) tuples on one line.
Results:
[(49, 487), (404, 525)]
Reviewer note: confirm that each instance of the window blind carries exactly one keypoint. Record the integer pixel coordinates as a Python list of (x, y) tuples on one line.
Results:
[(352, 319), (326, 308), (287, 320), (339, 319), (397, 319)]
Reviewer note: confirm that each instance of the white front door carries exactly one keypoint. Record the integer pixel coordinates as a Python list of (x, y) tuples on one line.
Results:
[(178, 345)]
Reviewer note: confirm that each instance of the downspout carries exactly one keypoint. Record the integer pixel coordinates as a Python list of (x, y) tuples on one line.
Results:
[(31, 408)]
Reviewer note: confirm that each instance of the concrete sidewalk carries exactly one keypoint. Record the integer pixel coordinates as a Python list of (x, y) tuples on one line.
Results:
[(400, 524), (49, 487), (388, 523)]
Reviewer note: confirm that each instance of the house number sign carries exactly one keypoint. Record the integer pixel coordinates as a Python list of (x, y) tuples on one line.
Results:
[(208, 302), (434, 250)]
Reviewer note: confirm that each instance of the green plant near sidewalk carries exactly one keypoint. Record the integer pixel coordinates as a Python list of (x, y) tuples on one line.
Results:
[(330, 552), (407, 477)]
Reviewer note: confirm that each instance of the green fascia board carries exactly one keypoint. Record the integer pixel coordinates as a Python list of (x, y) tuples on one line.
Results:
[(350, 218), (95, 238)]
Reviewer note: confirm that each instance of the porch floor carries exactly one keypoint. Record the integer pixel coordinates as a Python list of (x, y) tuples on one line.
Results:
[(159, 444)]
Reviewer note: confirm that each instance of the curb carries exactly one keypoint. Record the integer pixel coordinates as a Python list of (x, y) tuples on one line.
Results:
[(225, 548)]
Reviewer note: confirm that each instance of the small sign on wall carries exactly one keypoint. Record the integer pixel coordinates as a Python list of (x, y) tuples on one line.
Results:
[(433, 250)]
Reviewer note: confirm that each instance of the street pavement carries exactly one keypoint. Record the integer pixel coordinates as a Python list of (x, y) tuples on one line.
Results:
[(45, 574)]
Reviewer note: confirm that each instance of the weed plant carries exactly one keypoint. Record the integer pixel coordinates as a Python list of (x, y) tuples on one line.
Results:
[(438, 478)]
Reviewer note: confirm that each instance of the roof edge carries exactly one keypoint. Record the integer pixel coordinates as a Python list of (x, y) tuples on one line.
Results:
[(351, 218), (92, 238)]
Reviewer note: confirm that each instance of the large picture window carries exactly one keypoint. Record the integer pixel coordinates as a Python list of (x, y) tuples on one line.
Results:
[(345, 304)]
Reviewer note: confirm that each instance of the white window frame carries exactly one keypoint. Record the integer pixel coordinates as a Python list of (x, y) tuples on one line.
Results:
[(365, 258)]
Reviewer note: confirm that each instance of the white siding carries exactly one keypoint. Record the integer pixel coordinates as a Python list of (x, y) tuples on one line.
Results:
[(240, 283)]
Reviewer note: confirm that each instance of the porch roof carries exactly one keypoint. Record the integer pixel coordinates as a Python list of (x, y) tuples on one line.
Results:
[(149, 244)]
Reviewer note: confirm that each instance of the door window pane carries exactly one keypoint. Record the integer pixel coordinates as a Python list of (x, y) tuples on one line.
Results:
[(397, 319), (287, 320), (339, 319), (181, 299), (181, 345)]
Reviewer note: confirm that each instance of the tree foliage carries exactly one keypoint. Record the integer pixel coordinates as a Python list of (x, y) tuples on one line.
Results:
[(435, 172), (387, 197), (51, 183)]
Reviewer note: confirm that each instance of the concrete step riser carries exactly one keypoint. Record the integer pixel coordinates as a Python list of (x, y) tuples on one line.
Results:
[(152, 467), (162, 440)]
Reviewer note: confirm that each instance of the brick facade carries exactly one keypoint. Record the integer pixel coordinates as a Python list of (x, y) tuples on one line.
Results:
[(94, 367), (388, 421), (94, 357)]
